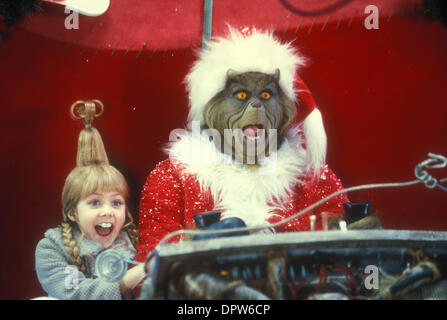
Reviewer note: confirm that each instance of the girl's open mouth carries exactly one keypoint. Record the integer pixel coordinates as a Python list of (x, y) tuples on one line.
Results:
[(104, 229)]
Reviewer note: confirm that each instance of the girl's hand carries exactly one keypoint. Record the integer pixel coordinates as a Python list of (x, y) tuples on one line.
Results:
[(130, 280)]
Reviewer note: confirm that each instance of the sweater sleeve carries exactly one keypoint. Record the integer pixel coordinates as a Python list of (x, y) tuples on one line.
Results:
[(63, 281), (161, 208)]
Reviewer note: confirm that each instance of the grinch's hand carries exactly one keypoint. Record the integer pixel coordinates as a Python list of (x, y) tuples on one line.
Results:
[(366, 223)]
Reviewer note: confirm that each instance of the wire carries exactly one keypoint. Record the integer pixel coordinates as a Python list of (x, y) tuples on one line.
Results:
[(274, 225), (435, 161)]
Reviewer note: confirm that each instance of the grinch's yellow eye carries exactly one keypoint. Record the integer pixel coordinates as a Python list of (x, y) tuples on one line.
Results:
[(265, 95), (241, 95)]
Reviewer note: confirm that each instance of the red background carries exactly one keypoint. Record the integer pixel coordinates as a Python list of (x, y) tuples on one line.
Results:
[(382, 95)]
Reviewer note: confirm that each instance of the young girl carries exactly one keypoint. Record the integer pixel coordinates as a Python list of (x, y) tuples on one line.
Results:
[(95, 218)]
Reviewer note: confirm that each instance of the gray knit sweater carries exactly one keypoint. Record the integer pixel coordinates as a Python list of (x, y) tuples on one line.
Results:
[(60, 279)]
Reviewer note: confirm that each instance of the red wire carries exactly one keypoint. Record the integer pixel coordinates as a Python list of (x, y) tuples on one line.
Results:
[(253, 282), (323, 274), (347, 272), (293, 289), (301, 285), (259, 284), (296, 289)]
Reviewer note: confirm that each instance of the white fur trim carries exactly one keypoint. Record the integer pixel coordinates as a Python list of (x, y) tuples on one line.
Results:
[(236, 189), (258, 52), (316, 141)]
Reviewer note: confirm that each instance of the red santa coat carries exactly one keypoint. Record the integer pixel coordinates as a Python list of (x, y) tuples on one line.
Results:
[(177, 189)]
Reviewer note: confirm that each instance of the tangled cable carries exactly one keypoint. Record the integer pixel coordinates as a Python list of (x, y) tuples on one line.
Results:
[(435, 162)]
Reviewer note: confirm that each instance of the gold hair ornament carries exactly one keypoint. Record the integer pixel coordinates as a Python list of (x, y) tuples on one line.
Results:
[(86, 110)]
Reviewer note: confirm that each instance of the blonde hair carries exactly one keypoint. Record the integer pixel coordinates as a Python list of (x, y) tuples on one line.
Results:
[(92, 173)]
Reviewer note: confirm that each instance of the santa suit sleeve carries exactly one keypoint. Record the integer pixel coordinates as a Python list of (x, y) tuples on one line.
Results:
[(161, 208), (327, 184)]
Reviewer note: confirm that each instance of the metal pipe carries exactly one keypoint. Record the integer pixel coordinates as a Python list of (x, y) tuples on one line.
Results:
[(208, 22)]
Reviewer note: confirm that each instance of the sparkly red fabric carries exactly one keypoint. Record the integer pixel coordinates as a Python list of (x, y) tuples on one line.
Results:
[(171, 197)]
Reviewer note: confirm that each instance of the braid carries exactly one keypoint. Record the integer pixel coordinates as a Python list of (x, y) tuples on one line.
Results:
[(132, 232), (72, 247), (131, 229)]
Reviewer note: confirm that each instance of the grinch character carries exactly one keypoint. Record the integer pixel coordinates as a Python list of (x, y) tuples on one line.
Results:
[(247, 152)]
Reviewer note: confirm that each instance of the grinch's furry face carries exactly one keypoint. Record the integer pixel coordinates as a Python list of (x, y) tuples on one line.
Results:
[(251, 115)]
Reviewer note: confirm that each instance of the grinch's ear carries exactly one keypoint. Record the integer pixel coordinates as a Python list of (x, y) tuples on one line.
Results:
[(277, 75)]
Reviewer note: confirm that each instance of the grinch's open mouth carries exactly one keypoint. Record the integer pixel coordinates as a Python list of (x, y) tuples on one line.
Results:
[(104, 229), (253, 131)]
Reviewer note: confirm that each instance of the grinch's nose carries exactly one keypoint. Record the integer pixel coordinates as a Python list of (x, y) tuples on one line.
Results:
[(256, 104)]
